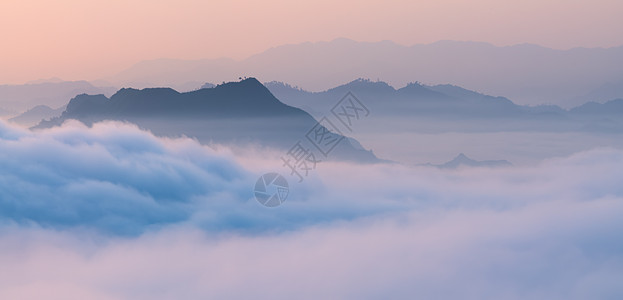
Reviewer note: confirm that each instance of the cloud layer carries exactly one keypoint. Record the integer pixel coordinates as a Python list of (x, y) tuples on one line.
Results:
[(113, 176), (112, 212)]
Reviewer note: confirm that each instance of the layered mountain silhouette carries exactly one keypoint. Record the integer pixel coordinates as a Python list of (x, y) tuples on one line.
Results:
[(414, 99), (452, 108), (528, 74), (54, 93), (242, 112), (612, 108), (36, 114), (601, 117)]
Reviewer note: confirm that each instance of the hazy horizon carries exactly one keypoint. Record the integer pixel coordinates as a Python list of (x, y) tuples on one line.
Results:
[(74, 40), (112, 73), (106, 77)]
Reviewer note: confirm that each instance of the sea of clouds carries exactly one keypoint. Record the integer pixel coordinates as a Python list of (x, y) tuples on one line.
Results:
[(113, 212)]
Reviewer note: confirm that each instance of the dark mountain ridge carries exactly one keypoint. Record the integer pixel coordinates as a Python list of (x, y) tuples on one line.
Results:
[(236, 112), (243, 99)]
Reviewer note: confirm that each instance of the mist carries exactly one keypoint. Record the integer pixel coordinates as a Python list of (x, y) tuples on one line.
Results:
[(350, 230)]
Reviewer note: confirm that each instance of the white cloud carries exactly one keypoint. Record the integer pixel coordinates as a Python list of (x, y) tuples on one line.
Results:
[(554, 250), (550, 231), (113, 176)]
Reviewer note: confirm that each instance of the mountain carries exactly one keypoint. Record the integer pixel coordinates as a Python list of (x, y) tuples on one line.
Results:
[(242, 112), (528, 74), (444, 108), (601, 117), (46, 80), (19, 98), (36, 114), (463, 161), (414, 99), (610, 108)]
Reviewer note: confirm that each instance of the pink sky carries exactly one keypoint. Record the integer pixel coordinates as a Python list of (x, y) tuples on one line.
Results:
[(75, 39)]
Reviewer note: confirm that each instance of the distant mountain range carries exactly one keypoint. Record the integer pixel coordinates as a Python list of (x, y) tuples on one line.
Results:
[(414, 99), (462, 160), (51, 93), (414, 107), (527, 74), (603, 93), (610, 108), (36, 114), (453, 108), (242, 112), (249, 113)]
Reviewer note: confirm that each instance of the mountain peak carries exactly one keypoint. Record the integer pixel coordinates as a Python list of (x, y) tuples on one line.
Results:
[(343, 40), (85, 102), (248, 86), (247, 97), (461, 156), (247, 81), (462, 160), (364, 85), (237, 112)]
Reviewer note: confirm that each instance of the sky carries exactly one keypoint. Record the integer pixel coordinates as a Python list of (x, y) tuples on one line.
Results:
[(75, 40)]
